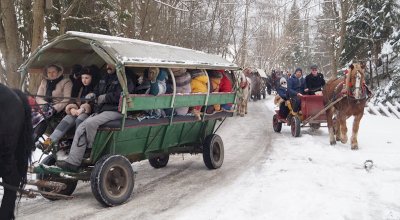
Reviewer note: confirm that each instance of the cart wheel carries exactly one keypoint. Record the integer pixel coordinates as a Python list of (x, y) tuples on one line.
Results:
[(276, 124), (315, 126), (295, 126), (213, 151), (159, 161), (112, 180), (71, 184)]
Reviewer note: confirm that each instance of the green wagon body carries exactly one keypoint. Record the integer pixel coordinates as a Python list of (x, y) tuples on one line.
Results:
[(119, 143)]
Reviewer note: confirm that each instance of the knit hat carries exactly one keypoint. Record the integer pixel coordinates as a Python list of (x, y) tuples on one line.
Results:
[(299, 69), (313, 66), (283, 82)]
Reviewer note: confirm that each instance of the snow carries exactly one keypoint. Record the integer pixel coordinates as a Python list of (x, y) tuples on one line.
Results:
[(306, 178), (299, 178)]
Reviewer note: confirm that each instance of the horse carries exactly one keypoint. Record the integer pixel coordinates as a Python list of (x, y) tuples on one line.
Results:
[(16, 144), (243, 94), (354, 94)]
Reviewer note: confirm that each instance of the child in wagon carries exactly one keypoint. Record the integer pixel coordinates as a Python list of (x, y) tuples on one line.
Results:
[(78, 110)]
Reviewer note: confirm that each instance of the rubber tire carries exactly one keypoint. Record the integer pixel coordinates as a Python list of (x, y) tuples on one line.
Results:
[(295, 126), (276, 124), (98, 179), (159, 161), (71, 184), (213, 151)]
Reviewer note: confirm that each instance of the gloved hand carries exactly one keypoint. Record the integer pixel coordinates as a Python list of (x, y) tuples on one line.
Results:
[(90, 96), (101, 99), (50, 111), (80, 111)]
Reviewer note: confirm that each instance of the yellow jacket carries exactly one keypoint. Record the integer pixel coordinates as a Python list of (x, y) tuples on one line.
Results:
[(199, 84)]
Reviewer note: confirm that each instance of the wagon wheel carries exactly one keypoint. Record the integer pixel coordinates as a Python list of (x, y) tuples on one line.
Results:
[(213, 151), (159, 161), (112, 180), (276, 124), (295, 126), (71, 184)]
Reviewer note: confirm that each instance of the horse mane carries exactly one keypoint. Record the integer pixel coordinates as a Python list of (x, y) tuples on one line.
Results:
[(23, 152)]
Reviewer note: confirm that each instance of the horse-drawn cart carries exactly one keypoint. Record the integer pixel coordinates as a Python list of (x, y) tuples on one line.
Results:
[(312, 114), (119, 143)]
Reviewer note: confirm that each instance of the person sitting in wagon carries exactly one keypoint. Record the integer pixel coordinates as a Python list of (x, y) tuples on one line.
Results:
[(52, 96), (281, 98), (215, 80), (314, 81), (225, 86), (108, 93), (199, 85), (157, 78), (182, 79), (296, 87), (78, 110)]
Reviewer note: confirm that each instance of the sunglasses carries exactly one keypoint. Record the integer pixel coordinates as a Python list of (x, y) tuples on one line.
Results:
[(314, 69), (283, 83)]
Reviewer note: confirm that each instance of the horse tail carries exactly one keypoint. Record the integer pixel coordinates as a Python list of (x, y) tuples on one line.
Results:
[(23, 152)]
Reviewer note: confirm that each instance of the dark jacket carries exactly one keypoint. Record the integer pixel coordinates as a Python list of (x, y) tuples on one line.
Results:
[(296, 85), (314, 83), (110, 86), (282, 92)]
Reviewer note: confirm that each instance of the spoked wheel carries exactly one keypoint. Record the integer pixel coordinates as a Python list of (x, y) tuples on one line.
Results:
[(276, 124), (295, 126), (112, 180), (213, 151), (71, 184), (159, 161)]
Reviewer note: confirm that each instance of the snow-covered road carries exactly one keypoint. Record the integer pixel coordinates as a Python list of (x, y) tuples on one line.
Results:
[(162, 193)]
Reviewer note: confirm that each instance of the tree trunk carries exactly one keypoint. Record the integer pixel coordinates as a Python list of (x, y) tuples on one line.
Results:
[(243, 48), (37, 39), (12, 55)]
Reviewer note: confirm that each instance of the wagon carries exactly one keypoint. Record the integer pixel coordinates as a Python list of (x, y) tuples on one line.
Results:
[(119, 143), (312, 114)]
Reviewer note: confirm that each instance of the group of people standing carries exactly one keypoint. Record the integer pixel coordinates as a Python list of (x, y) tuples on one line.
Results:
[(296, 86)]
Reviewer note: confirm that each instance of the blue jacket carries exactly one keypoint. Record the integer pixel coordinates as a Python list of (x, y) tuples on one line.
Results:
[(296, 85), (282, 92)]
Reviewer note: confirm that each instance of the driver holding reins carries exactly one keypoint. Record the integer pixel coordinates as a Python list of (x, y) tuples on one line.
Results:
[(314, 81)]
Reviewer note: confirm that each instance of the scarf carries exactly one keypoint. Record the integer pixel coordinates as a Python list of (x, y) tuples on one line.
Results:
[(51, 86)]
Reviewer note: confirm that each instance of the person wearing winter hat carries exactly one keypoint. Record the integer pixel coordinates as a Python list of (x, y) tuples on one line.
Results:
[(314, 81), (108, 92), (78, 110), (53, 85), (283, 94), (296, 87), (75, 77)]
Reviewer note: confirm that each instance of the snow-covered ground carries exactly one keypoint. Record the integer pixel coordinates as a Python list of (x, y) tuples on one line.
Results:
[(265, 175), (306, 178)]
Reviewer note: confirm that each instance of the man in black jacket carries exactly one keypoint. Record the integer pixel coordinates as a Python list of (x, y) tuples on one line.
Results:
[(108, 93), (314, 81)]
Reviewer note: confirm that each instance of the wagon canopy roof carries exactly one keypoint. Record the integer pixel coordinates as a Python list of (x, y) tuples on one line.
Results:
[(262, 73), (87, 48)]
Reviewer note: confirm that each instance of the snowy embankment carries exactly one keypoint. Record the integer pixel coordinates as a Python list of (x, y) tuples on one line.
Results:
[(306, 178)]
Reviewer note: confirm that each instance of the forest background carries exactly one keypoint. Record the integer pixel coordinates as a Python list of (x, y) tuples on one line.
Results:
[(265, 34)]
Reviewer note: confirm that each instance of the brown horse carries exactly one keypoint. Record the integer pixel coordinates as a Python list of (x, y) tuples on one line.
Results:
[(356, 94)]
